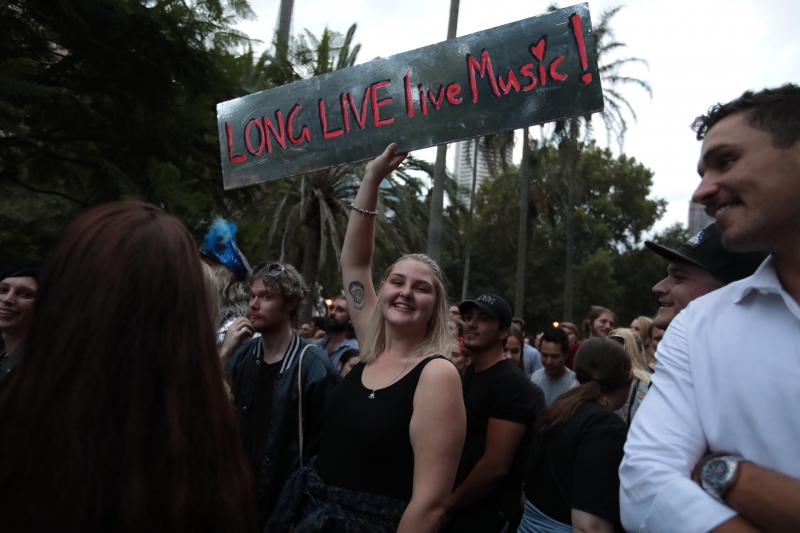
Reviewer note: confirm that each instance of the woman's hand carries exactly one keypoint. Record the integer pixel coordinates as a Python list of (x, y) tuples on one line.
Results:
[(384, 164)]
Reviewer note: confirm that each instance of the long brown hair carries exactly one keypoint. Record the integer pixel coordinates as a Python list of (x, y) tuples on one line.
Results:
[(601, 366), (116, 419)]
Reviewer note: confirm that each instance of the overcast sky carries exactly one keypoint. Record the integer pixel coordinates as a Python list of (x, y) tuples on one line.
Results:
[(699, 52)]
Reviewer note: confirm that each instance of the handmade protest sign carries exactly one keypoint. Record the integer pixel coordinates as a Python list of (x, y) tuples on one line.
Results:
[(528, 72)]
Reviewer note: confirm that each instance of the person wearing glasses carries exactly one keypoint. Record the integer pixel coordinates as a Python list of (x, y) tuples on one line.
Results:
[(395, 426), (264, 375), (571, 480)]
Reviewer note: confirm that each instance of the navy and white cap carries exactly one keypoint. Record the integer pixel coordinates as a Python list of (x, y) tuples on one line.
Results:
[(491, 304), (706, 251)]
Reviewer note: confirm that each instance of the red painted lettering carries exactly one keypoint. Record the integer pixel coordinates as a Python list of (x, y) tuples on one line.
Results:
[(279, 134), (232, 158), (260, 129), (575, 24), (542, 76), (409, 101), (422, 102), (511, 84), (437, 102), (527, 71), (304, 133), (554, 73), (452, 94), (482, 68), (323, 122), (377, 103), (345, 116), (538, 49), (360, 120)]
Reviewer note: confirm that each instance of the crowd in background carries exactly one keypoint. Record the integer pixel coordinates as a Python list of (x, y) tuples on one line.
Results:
[(147, 386)]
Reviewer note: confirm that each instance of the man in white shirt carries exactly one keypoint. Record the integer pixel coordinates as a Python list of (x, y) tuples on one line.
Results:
[(714, 446)]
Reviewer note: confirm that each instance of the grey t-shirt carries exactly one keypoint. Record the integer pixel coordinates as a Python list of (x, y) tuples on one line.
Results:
[(553, 388)]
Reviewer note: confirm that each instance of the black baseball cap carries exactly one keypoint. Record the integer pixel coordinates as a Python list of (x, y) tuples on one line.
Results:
[(491, 304), (24, 268), (706, 251)]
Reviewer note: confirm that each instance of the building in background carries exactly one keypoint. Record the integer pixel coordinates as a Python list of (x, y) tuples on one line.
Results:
[(698, 219), (462, 170)]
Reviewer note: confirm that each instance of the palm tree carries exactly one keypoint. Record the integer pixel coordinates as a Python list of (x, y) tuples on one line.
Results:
[(309, 213), (568, 132), (439, 173)]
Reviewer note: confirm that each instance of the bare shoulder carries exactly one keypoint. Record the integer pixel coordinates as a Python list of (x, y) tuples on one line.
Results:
[(439, 372)]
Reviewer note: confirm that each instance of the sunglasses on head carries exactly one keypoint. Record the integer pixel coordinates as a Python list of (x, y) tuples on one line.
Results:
[(273, 269), (618, 339)]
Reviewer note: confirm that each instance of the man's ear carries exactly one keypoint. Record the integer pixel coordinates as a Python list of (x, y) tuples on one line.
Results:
[(291, 305), (503, 334)]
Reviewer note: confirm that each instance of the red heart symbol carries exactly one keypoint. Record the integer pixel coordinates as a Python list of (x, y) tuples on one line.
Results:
[(538, 49)]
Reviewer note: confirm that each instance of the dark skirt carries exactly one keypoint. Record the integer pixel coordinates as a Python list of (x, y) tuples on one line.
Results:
[(308, 505)]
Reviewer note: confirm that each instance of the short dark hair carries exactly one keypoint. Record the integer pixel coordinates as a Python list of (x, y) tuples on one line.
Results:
[(347, 355), (776, 111), (558, 336), (521, 321)]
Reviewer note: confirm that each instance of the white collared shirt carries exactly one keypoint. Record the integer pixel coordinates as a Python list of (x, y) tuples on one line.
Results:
[(727, 380)]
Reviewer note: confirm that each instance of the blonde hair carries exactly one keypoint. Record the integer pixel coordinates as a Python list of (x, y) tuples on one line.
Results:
[(635, 349), (232, 295), (438, 339), (645, 323)]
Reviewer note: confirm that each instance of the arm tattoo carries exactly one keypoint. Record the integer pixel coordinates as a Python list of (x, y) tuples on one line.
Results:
[(357, 292)]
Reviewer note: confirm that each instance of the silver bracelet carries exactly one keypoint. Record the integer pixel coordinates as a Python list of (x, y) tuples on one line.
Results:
[(363, 211)]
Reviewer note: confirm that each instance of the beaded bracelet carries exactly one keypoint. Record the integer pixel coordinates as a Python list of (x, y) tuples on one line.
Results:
[(363, 211)]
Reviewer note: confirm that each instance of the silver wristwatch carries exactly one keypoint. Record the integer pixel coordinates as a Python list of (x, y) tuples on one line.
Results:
[(719, 474)]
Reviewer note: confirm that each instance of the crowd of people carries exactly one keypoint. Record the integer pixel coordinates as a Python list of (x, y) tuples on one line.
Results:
[(147, 386)]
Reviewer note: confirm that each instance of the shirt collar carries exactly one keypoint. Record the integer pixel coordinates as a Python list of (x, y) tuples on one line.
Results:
[(764, 280), (288, 357)]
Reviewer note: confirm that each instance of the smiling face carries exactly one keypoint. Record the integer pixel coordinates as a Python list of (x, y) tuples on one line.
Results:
[(684, 283), (408, 296), (602, 325), (513, 350), (749, 186), (481, 331), (17, 296)]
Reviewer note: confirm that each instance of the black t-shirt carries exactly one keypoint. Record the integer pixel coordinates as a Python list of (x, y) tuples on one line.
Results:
[(255, 428), (576, 466), (501, 391)]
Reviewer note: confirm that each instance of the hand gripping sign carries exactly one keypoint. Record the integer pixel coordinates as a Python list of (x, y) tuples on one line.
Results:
[(528, 72)]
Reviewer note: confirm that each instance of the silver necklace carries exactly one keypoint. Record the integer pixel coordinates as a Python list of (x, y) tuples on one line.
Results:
[(372, 394)]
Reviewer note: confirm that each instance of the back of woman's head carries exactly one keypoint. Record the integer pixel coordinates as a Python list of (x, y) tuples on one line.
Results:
[(117, 418), (601, 366), (635, 348), (438, 338)]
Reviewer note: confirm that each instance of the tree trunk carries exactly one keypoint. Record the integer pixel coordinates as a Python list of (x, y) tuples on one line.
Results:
[(465, 284), (568, 272), (440, 170), (522, 245), (311, 263), (285, 19)]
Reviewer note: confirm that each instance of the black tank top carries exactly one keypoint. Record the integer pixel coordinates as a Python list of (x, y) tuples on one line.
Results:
[(366, 444)]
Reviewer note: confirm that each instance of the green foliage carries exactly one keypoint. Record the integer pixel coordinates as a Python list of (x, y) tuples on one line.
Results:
[(102, 100), (612, 268)]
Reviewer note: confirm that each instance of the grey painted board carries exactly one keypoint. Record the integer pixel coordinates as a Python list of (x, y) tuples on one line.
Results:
[(528, 72)]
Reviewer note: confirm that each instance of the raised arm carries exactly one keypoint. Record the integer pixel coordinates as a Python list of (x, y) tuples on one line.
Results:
[(359, 240), (438, 428)]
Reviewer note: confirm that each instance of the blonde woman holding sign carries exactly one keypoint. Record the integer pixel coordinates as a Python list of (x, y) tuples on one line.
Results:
[(395, 426)]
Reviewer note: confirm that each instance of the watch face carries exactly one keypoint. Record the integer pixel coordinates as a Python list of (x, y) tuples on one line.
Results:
[(716, 472)]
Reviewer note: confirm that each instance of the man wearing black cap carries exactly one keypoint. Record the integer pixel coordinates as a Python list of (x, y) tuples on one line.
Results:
[(501, 413), (18, 283), (699, 266)]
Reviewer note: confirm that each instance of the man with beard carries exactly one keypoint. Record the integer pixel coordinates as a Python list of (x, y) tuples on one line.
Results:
[(339, 338), (714, 445), (264, 375), (501, 414)]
